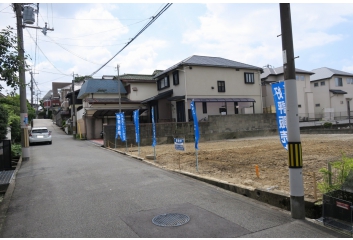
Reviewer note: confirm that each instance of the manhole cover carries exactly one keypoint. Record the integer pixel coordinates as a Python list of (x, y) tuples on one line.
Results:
[(170, 220)]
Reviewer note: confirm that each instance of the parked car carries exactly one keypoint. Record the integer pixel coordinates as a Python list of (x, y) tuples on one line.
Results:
[(40, 135)]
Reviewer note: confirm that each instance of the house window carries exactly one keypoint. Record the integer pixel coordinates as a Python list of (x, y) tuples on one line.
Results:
[(163, 83), (249, 78), (176, 78), (299, 105), (221, 86), (317, 105), (338, 82), (128, 89), (299, 77), (204, 107), (322, 83), (349, 80), (316, 84)]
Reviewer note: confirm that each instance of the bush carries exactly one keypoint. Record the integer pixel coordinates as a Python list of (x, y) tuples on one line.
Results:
[(4, 118), (327, 125), (334, 179), (16, 150)]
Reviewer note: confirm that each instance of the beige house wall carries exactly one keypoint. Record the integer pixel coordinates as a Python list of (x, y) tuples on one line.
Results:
[(336, 103), (304, 95), (144, 91)]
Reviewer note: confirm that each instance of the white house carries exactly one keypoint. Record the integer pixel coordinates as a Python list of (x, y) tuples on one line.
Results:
[(217, 85), (304, 94), (333, 92)]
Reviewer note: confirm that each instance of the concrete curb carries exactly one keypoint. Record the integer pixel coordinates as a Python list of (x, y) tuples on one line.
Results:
[(4, 206)]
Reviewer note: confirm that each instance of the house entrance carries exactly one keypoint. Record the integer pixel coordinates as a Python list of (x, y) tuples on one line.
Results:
[(180, 107)]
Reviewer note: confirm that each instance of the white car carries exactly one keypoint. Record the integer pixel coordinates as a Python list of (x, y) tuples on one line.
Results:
[(40, 135)]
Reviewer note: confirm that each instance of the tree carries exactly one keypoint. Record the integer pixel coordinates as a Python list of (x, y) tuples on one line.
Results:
[(10, 62), (3, 122), (11, 105)]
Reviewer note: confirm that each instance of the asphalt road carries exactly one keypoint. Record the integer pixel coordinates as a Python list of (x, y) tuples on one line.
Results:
[(74, 189)]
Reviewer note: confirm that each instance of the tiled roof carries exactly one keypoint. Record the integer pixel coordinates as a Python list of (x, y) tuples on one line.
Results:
[(139, 77), (279, 70), (100, 86), (324, 73), (210, 62)]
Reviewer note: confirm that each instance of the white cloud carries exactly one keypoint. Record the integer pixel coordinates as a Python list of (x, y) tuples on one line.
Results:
[(248, 33)]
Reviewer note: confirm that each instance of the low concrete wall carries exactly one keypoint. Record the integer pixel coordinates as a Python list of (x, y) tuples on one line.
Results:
[(216, 128)]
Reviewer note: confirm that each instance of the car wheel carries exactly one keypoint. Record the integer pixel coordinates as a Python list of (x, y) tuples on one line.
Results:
[(50, 142)]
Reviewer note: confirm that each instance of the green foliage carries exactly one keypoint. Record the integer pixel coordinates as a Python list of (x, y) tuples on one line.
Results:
[(12, 106), (16, 150), (333, 180), (327, 125), (10, 63), (4, 118)]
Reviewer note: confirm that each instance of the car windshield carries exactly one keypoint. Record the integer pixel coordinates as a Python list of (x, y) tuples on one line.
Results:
[(40, 131)]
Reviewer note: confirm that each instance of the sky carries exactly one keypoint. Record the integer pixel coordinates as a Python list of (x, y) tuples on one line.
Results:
[(87, 35)]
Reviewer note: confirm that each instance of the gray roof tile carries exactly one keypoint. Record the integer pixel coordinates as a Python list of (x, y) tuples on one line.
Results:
[(100, 86), (325, 72), (279, 70), (209, 61)]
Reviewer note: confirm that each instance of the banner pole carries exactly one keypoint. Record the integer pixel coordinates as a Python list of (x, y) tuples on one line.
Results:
[(197, 161), (139, 147)]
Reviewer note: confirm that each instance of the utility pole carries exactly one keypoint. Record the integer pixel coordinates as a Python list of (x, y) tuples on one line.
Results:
[(295, 161), (117, 67), (22, 83), (32, 90), (73, 107)]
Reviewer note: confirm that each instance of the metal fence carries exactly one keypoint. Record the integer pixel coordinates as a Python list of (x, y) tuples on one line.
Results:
[(330, 116), (337, 210)]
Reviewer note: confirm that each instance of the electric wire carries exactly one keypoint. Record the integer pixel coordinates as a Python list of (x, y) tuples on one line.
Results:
[(74, 53), (141, 31), (5, 8), (43, 53)]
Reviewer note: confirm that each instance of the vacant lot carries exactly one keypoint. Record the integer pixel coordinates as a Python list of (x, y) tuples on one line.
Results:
[(234, 161)]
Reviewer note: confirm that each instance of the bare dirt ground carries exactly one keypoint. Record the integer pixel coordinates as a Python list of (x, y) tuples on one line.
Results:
[(234, 160)]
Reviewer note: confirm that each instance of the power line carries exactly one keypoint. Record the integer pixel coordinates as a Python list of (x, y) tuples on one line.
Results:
[(72, 52), (43, 53), (141, 31)]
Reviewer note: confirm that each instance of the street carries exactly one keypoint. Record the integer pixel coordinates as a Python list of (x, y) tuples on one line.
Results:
[(76, 189)]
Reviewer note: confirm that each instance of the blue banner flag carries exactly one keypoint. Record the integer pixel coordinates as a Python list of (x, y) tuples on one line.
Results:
[(137, 127), (154, 141), (196, 124), (118, 125), (123, 127), (279, 97)]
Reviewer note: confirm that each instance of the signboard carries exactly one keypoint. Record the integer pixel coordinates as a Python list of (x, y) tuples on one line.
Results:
[(342, 205), (196, 124), (118, 125), (279, 97), (179, 144), (154, 141), (137, 127)]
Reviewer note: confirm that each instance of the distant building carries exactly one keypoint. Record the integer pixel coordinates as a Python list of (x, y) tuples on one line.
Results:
[(304, 93), (333, 92)]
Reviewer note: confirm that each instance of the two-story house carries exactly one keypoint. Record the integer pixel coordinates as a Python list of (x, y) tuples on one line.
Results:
[(304, 94), (333, 92), (217, 86), (100, 100)]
